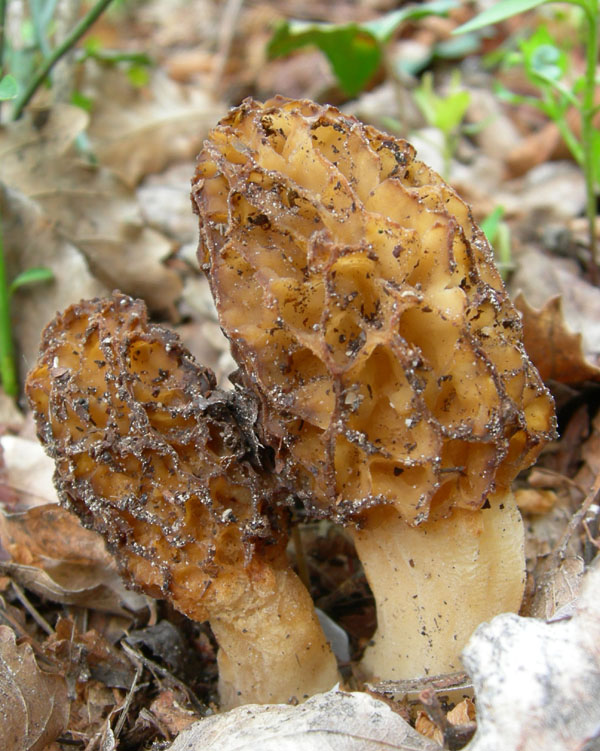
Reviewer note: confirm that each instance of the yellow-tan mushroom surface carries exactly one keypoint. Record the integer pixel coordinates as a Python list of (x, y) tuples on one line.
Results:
[(364, 309)]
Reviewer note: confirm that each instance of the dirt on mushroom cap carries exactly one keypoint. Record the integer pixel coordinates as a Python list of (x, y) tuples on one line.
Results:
[(156, 459), (364, 308)]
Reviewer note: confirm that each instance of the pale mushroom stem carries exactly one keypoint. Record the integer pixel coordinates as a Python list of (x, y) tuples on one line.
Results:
[(274, 649), (435, 583)]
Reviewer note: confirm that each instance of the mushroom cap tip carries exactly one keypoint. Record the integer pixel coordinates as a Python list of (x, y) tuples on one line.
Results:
[(364, 307)]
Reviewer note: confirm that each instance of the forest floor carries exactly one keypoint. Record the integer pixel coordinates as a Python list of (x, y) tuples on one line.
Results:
[(100, 194)]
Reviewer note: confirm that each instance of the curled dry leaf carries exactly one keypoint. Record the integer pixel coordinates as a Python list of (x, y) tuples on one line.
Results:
[(137, 131), (34, 707), (28, 471), (55, 557), (335, 721), (556, 350), (88, 205), (538, 684)]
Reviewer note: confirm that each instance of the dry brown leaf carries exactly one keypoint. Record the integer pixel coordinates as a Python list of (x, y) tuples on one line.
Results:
[(533, 150), (538, 684), (88, 655), (170, 714), (138, 131), (55, 557), (87, 205), (557, 587), (540, 277), (556, 351), (589, 446), (428, 728), (30, 239), (34, 707), (463, 713), (335, 721), (535, 501), (27, 471)]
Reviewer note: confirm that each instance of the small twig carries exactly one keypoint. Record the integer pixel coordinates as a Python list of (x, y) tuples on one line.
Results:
[(41, 656), (129, 698), (69, 41), (590, 538), (429, 699), (226, 35), (25, 602), (577, 519), (155, 668)]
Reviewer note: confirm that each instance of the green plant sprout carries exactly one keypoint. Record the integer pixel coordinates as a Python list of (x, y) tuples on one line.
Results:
[(497, 233), (446, 113), (548, 68), (354, 50), (137, 63)]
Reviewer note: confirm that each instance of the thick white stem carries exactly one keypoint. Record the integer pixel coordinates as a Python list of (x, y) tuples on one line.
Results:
[(435, 583), (274, 653)]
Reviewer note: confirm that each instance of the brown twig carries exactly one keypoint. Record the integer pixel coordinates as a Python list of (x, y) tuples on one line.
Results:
[(37, 617), (577, 519), (225, 39)]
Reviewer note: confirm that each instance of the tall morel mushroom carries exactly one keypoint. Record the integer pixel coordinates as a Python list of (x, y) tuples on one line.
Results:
[(364, 309), (166, 467)]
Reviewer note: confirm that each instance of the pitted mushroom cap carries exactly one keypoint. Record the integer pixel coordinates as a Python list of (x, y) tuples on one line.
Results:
[(152, 456), (364, 308)]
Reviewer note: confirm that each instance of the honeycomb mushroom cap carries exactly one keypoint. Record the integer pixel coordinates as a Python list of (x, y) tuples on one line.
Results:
[(364, 308), (152, 456)]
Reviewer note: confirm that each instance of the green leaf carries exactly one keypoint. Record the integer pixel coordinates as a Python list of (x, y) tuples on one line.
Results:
[(542, 57), (138, 75), (354, 50), (35, 275), (452, 109), (456, 48), (443, 112), (506, 95), (81, 100), (425, 98), (353, 53), (383, 28), (9, 88), (92, 45), (498, 12), (490, 224)]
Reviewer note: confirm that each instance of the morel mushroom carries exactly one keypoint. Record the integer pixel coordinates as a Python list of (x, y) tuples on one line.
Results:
[(364, 308), (166, 468)]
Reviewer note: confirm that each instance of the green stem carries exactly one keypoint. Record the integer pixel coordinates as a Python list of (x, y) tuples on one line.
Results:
[(2, 23), (2, 37), (587, 131), (570, 139), (69, 41), (8, 370)]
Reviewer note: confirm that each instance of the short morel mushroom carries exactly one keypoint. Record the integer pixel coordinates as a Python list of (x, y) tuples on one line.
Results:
[(166, 467), (364, 309)]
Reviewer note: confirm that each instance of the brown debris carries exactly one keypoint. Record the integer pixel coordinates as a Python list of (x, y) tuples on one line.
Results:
[(556, 351)]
